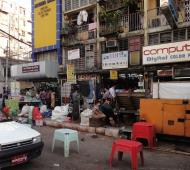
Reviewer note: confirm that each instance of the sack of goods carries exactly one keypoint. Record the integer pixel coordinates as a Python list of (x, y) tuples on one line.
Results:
[(85, 116), (60, 113)]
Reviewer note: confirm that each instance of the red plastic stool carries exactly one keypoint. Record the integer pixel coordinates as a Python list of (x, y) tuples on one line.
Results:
[(144, 130), (133, 147)]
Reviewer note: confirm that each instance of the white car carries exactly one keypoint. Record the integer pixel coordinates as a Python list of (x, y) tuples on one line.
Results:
[(18, 143)]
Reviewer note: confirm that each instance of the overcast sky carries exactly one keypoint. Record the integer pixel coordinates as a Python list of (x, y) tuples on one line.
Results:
[(24, 3)]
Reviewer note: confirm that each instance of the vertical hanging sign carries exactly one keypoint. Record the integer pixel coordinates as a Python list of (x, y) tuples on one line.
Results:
[(70, 73), (113, 74)]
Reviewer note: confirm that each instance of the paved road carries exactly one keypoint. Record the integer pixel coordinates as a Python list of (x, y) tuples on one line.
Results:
[(94, 153)]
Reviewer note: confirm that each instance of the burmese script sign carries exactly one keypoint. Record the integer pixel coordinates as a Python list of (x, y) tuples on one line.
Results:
[(167, 53), (29, 69), (115, 60)]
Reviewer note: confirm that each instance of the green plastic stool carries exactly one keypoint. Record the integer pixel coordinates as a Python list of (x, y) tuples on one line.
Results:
[(67, 136)]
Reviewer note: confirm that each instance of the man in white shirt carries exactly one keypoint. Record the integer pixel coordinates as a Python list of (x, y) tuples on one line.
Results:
[(112, 91)]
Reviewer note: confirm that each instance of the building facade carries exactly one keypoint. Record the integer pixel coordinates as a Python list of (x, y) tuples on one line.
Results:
[(134, 38), (15, 35)]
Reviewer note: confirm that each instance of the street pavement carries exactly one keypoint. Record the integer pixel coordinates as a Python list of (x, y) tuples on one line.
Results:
[(94, 154)]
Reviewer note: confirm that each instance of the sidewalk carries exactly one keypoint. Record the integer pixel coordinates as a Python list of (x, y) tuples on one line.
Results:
[(163, 146)]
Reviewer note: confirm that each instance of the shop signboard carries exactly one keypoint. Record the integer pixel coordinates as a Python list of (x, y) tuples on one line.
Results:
[(70, 73), (165, 73), (30, 69), (167, 53), (36, 70), (113, 74), (44, 23), (115, 60), (74, 54)]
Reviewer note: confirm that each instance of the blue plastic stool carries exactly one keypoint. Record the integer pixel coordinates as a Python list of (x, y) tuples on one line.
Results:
[(67, 136)]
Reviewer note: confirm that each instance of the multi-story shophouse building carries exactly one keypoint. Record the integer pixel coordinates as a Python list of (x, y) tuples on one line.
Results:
[(134, 38), (15, 36)]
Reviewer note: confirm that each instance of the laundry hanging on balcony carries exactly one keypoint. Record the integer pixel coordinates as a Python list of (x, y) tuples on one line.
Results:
[(82, 17)]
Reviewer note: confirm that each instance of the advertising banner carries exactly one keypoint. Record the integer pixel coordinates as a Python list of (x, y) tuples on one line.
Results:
[(36, 70), (44, 23), (74, 54), (167, 53), (115, 60)]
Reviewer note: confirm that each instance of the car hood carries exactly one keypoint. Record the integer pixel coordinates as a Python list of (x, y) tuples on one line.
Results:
[(11, 132)]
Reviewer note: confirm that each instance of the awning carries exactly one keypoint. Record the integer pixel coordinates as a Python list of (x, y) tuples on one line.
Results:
[(36, 70)]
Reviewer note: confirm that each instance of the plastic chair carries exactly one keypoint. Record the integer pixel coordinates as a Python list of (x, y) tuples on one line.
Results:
[(132, 147), (144, 130), (67, 136)]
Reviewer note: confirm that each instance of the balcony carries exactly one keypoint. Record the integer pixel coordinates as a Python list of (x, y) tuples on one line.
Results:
[(75, 33), (157, 19), (127, 23)]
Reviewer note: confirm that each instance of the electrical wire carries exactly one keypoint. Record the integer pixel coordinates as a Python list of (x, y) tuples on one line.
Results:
[(15, 38), (18, 54)]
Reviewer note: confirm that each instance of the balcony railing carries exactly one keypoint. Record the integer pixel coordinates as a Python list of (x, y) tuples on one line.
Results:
[(79, 33), (157, 19), (127, 23)]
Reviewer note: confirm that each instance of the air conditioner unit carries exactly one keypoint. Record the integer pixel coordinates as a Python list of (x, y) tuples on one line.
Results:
[(111, 43)]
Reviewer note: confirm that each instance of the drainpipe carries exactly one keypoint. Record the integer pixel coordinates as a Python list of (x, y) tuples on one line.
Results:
[(98, 37), (146, 36), (145, 22)]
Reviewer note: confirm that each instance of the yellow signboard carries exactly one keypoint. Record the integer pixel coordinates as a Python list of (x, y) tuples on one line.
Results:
[(113, 74), (44, 23), (70, 73)]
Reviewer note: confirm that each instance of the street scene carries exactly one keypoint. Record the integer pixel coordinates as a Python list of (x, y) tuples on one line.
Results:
[(94, 154), (95, 84)]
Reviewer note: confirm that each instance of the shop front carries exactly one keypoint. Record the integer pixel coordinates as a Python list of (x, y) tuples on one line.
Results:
[(128, 82), (34, 78), (169, 66)]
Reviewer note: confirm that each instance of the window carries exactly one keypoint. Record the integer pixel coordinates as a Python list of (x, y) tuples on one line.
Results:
[(153, 39), (83, 2), (23, 33), (188, 33), (165, 37), (123, 44), (67, 5), (75, 4), (179, 35)]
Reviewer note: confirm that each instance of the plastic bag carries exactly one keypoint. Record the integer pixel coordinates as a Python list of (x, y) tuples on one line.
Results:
[(43, 108), (65, 110)]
